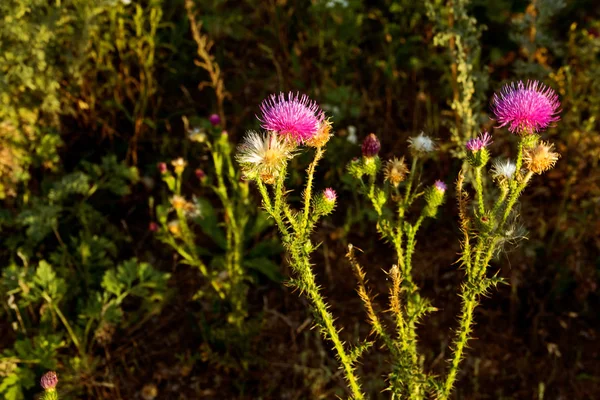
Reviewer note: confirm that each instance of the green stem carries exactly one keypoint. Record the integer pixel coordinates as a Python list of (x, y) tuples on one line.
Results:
[(308, 188), (479, 191), (305, 273), (413, 170), (463, 333), (65, 322), (514, 195)]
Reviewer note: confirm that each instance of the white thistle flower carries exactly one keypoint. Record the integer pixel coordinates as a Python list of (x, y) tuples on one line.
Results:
[(503, 169), (263, 156), (421, 144)]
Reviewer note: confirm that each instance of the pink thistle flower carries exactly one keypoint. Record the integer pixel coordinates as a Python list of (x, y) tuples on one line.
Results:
[(526, 108), (297, 116), (330, 195), (439, 185), (480, 142)]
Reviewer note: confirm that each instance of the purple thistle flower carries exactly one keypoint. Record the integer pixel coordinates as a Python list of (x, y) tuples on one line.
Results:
[(526, 108), (480, 142), (214, 119), (297, 116), (439, 185), (329, 194)]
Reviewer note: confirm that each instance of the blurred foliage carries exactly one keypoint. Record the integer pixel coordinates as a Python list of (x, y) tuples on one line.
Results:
[(90, 88)]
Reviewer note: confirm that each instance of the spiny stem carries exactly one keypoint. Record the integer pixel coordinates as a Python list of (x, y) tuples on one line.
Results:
[(463, 333), (479, 191), (308, 188)]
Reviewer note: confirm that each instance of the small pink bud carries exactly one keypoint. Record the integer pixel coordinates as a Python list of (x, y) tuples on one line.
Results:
[(330, 195), (371, 146), (49, 380), (153, 227), (200, 174), (214, 119), (162, 167)]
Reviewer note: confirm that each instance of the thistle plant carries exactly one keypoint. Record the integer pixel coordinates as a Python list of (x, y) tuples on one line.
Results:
[(526, 109), (393, 200), (227, 276), (293, 124)]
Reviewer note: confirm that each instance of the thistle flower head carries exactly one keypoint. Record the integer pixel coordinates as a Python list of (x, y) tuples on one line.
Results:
[(480, 142), (526, 107), (540, 158), (197, 135), (421, 144), (179, 165), (441, 186), (214, 119), (371, 146), (395, 171), (503, 169), (329, 195), (296, 117), (49, 381), (263, 156)]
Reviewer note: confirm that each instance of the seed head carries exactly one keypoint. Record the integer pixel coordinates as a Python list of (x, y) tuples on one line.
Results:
[(503, 170), (395, 171), (526, 107), (295, 117), (421, 144), (263, 156), (540, 158)]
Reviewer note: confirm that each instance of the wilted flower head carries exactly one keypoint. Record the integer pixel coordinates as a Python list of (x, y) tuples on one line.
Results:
[(180, 203), (526, 108), (540, 158), (439, 185), (174, 227), (214, 119), (296, 117), (371, 146), (329, 194), (480, 142), (49, 381), (395, 171), (503, 169), (263, 156), (322, 136), (421, 144)]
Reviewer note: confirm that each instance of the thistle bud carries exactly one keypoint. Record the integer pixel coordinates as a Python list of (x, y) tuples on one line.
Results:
[(49, 381), (201, 175), (477, 153), (162, 167), (153, 226), (434, 196), (325, 203), (214, 119), (371, 146)]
